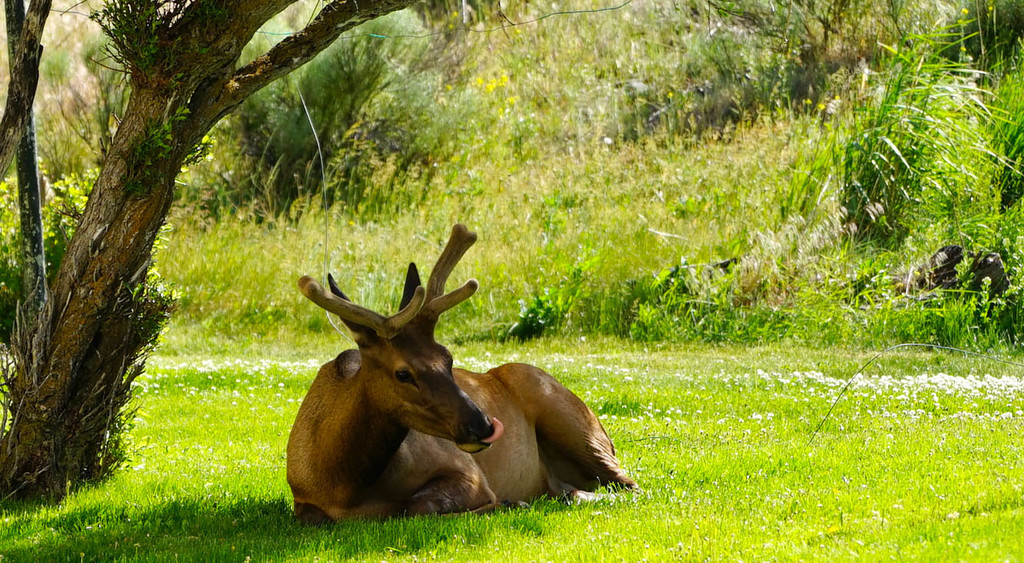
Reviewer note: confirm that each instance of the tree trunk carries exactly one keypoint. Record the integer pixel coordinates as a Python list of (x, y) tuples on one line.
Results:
[(74, 365), (21, 88), (33, 259)]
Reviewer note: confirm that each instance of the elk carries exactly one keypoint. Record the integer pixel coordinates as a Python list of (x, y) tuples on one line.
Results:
[(392, 429)]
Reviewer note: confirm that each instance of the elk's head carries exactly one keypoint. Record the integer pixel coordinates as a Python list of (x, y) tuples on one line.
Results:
[(405, 371)]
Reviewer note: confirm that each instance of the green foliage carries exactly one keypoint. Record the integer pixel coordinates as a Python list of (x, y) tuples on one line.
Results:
[(1007, 311), (680, 299), (806, 196), (133, 28), (992, 31), (958, 318), (544, 312), (153, 150), (713, 303), (1007, 130), (91, 95), (147, 309), (377, 134), (919, 144), (60, 218), (10, 271), (139, 33), (760, 57), (551, 308), (699, 303)]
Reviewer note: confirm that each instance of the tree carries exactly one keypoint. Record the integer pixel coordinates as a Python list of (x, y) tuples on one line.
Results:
[(21, 90), (33, 258), (73, 365)]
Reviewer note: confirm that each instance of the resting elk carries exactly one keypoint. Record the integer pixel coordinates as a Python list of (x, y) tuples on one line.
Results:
[(392, 429)]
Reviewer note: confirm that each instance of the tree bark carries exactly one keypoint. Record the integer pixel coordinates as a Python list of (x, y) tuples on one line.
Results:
[(21, 87), (74, 365), (33, 259)]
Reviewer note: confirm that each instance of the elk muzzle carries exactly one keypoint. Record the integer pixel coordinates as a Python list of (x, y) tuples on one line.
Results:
[(478, 443)]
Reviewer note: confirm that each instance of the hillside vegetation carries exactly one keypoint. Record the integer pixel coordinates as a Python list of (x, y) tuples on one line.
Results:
[(691, 171)]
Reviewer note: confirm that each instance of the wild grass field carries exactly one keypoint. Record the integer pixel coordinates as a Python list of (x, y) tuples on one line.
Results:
[(701, 217), (922, 458)]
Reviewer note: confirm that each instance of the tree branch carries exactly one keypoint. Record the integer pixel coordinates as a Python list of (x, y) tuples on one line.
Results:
[(298, 49), (21, 89)]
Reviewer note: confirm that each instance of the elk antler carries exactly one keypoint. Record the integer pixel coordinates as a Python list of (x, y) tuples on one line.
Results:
[(336, 302), (437, 300)]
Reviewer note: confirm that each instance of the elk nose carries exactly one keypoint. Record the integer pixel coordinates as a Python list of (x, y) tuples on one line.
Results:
[(483, 431), (480, 437), (499, 429)]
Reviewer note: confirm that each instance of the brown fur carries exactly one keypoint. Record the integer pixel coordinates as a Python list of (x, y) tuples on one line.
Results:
[(385, 429), (346, 461)]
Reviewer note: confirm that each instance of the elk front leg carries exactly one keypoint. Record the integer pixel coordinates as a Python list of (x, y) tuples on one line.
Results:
[(452, 493)]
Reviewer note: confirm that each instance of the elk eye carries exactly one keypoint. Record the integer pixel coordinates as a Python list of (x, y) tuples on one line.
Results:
[(403, 376)]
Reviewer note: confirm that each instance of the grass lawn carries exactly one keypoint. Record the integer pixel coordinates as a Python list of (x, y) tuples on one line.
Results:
[(923, 457)]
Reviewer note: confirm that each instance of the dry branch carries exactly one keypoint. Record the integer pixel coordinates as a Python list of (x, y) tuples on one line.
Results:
[(21, 88)]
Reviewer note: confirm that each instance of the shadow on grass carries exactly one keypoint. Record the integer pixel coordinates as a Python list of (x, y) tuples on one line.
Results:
[(257, 528)]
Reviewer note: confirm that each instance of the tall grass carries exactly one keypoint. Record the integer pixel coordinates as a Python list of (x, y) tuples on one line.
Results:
[(596, 152), (992, 30), (1007, 128), (921, 145)]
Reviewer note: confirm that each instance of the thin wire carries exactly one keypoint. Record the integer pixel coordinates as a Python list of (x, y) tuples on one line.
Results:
[(323, 191), (506, 23), (886, 351)]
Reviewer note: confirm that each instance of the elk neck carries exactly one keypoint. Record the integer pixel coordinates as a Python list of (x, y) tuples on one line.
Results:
[(362, 437)]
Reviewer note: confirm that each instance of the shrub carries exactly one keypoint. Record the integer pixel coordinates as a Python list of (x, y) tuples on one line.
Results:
[(60, 217), (992, 32), (370, 97), (550, 309)]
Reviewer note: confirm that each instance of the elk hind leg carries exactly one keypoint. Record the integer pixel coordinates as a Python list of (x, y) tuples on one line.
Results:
[(574, 447)]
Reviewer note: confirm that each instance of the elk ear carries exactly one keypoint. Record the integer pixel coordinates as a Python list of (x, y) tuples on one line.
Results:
[(412, 281), (334, 288)]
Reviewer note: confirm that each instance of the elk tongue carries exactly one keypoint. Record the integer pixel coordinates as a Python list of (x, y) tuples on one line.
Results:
[(499, 429)]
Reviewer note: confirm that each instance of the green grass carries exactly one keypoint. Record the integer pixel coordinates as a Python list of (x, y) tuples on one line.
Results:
[(923, 458)]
